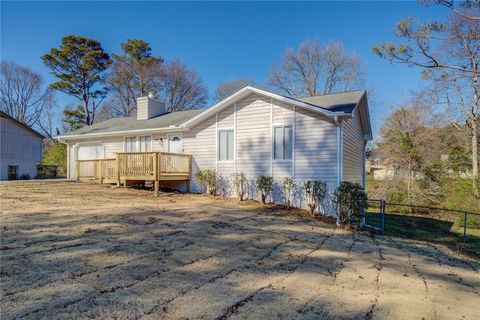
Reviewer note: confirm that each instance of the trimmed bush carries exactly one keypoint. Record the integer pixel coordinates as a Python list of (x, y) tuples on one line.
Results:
[(240, 182), (350, 202), (264, 186), (288, 186), (208, 178), (315, 192)]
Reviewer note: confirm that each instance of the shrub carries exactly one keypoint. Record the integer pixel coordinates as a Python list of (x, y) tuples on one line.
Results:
[(264, 186), (57, 155), (208, 178), (240, 182), (24, 176), (314, 193), (350, 201), (473, 221), (288, 186)]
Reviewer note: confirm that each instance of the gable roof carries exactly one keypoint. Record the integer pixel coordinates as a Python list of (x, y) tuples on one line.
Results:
[(336, 102), (335, 106), (4, 115)]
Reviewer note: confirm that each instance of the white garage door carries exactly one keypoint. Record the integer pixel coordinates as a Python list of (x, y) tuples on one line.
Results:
[(90, 151)]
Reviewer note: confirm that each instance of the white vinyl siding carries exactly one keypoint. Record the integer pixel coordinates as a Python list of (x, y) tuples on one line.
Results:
[(315, 147), (254, 146), (282, 143), (225, 145), (353, 141)]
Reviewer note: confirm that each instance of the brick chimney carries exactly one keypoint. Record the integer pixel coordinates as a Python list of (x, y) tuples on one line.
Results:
[(149, 107)]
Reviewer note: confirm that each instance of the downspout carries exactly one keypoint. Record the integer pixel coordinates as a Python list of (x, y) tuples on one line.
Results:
[(68, 156), (364, 175), (338, 123)]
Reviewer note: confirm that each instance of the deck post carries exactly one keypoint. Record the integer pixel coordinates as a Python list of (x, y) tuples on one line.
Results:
[(117, 169), (156, 165), (100, 171), (78, 171)]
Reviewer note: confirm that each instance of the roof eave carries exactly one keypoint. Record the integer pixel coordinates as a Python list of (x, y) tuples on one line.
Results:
[(123, 132)]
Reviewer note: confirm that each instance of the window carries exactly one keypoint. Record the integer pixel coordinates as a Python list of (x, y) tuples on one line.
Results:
[(282, 143), (90, 151), (131, 144), (225, 145), (145, 144), (12, 172)]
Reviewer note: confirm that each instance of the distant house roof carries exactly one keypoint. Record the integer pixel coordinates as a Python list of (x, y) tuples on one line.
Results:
[(337, 102), (4, 115)]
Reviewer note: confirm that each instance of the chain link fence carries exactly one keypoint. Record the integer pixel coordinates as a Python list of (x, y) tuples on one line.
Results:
[(457, 229)]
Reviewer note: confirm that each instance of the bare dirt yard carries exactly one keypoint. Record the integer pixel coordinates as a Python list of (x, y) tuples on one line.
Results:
[(73, 250)]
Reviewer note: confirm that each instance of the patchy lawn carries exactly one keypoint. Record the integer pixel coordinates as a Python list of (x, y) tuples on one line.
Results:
[(72, 250)]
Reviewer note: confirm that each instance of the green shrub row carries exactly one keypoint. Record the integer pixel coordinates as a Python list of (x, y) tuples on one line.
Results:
[(349, 199)]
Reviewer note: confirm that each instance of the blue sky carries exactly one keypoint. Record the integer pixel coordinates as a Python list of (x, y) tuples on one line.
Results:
[(221, 40)]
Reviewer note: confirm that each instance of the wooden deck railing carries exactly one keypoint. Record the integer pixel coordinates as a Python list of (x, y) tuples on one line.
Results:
[(174, 163), (99, 169), (146, 166)]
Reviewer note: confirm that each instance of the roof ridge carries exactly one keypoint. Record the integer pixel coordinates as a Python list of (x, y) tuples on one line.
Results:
[(331, 94)]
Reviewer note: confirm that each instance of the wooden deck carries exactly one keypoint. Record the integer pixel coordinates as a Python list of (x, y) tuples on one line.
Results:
[(137, 166)]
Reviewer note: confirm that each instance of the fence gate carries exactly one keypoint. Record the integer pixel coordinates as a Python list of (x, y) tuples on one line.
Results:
[(374, 217)]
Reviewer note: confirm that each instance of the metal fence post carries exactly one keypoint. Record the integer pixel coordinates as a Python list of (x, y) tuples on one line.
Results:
[(383, 205), (464, 229)]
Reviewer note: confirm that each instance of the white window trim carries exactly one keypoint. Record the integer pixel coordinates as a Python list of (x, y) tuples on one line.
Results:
[(282, 125), (137, 142), (168, 140), (234, 145)]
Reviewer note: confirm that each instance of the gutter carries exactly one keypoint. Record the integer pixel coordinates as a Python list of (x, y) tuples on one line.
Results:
[(116, 133)]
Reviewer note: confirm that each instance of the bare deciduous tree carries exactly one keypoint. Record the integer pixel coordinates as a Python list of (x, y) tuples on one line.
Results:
[(182, 89), (134, 74), (450, 47), (314, 69), (24, 97), (461, 9), (409, 141), (226, 89)]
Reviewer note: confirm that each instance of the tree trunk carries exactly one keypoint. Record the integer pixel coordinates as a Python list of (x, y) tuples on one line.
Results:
[(409, 181), (473, 125)]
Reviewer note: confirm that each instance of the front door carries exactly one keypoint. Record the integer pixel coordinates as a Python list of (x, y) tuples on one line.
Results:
[(175, 143)]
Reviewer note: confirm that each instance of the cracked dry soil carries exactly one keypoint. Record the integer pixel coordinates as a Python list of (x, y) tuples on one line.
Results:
[(72, 250)]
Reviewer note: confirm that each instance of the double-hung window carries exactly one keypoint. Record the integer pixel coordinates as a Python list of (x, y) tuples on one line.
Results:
[(131, 144), (282, 143), (145, 144), (225, 145), (138, 144)]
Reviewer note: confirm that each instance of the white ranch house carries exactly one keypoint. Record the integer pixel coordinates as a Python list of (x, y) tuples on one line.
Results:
[(253, 131)]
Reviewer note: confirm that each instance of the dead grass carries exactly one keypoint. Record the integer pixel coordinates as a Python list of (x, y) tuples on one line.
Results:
[(71, 250)]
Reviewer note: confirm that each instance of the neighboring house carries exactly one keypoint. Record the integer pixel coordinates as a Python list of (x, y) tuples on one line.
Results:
[(253, 131), (20, 149)]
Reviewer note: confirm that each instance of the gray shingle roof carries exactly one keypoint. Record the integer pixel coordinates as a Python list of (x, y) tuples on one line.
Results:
[(131, 123), (337, 102)]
